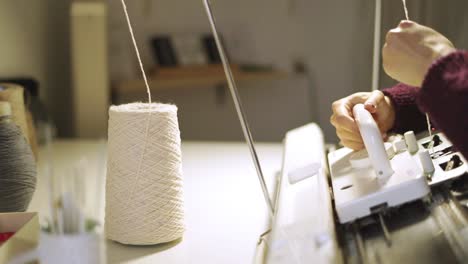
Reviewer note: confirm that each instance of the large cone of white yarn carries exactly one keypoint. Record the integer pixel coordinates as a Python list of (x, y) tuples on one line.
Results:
[(144, 199)]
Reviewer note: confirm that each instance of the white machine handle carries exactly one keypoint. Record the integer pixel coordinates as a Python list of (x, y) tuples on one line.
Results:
[(373, 141)]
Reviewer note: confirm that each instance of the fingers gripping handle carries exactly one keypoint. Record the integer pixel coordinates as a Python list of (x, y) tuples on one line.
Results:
[(373, 141)]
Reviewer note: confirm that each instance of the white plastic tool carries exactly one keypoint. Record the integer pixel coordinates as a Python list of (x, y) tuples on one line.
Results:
[(360, 191), (373, 141), (360, 159)]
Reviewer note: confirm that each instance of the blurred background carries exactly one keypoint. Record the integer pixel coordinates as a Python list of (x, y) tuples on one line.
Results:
[(291, 58)]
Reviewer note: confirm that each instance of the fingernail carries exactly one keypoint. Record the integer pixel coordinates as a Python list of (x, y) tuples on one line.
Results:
[(371, 105), (406, 23)]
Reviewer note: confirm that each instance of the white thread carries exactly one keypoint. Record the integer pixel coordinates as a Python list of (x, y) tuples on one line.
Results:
[(144, 199), (148, 91), (427, 115), (406, 9), (130, 29), (428, 121)]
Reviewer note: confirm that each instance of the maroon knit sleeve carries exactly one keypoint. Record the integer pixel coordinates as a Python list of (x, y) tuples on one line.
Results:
[(407, 114), (444, 96)]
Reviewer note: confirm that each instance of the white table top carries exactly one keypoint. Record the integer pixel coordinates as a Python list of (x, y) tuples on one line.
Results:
[(225, 211)]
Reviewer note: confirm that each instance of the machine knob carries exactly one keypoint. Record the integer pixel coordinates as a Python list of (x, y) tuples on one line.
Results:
[(426, 162), (399, 145), (411, 142)]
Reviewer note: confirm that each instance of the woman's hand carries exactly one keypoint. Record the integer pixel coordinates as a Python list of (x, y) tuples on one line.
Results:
[(410, 49), (379, 105)]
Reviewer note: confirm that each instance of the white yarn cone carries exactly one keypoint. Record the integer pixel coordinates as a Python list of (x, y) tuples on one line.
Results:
[(144, 199)]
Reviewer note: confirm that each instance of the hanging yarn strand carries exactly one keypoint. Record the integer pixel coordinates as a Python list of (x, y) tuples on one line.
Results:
[(377, 47), (428, 121), (148, 91), (429, 129), (406, 9)]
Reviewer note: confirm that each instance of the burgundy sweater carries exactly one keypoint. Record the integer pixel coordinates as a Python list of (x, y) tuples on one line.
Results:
[(443, 95)]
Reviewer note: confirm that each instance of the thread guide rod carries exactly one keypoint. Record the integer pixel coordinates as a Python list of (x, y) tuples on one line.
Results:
[(385, 231), (376, 52), (239, 109)]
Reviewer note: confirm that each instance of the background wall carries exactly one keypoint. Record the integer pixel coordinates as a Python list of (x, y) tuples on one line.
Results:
[(332, 37), (323, 36), (35, 42)]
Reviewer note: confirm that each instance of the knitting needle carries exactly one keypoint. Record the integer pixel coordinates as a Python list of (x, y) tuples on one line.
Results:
[(376, 53), (80, 198), (50, 177), (60, 221), (239, 109), (101, 171)]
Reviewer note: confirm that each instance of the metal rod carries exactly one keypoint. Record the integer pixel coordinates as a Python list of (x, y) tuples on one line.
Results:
[(239, 109), (385, 231), (376, 55), (359, 243), (50, 178), (450, 229)]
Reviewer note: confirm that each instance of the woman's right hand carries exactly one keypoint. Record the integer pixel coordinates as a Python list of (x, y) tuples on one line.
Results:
[(410, 49), (379, 105)]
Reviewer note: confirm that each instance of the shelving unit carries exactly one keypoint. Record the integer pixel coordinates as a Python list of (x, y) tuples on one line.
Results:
[(205, 108), (195, 81)]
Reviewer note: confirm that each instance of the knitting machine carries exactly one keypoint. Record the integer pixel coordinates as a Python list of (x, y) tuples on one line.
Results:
[(400, 201)]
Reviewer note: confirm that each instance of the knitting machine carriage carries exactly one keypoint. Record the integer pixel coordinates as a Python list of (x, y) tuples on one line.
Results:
[(342, 212)]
